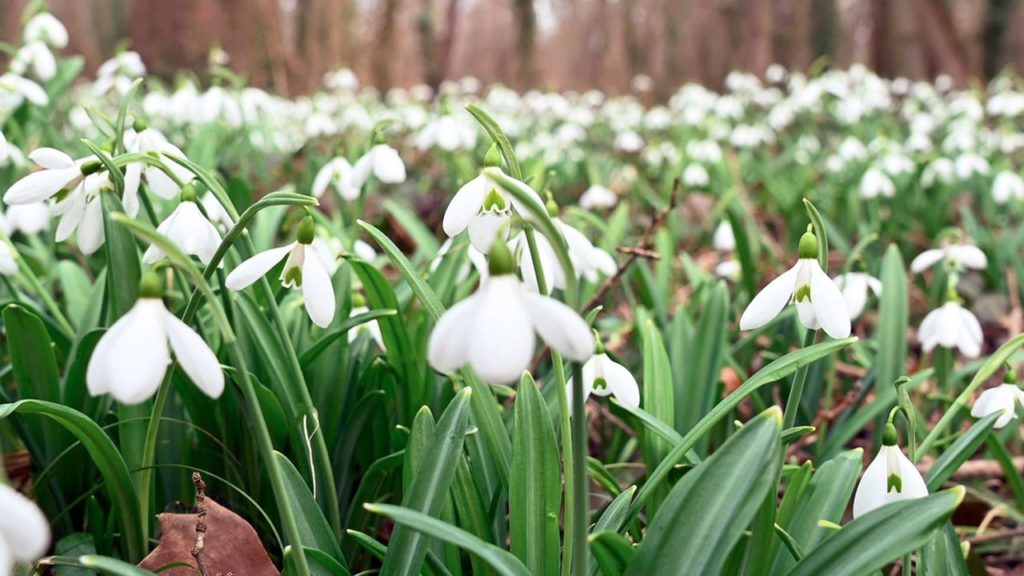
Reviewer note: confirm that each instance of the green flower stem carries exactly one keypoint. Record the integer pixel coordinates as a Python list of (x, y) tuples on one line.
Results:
[(263, 440), (581, 495), (796, 391), (942, 360)]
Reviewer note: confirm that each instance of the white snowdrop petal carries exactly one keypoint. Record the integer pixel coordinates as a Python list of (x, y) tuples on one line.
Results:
[(926, 260), (829, 305), (969, 256), (770, 300), (195, 357), (465, 205), (447, 349), (501, 339), (623, 384), (560, 326), (23, 528), (90, 229), (485, 228), (137, 360), (39, 186), (317, 290), (322, 180), (256, 267), (51, 158), (132, 181)]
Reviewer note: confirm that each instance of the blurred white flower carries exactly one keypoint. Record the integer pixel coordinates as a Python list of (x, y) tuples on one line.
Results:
[(1004, 398), (724, 240), (24, 531), (629, 141), (340, 175), (28, 219), (876, 183), (696, 176), (855, 287), (959, 256), (45, 27), (951, 326), (151, 142), (383, 162), (598, 196), (1007, 186)]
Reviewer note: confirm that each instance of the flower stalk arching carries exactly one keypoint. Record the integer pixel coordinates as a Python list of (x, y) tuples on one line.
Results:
[(263, 440), (323, 458)]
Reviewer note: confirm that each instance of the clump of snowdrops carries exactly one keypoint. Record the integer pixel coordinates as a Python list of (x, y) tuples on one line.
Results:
[(511, 333)]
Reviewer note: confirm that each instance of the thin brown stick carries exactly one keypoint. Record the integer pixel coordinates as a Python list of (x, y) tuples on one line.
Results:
[(994, 536), (197, 550)]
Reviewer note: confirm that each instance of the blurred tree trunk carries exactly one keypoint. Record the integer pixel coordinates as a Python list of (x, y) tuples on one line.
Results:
[(792, 41), (755, 37), (942, 44), (447, 43), (997, 21), (319, 42), (526, 33), (425, 29), (384, 51)]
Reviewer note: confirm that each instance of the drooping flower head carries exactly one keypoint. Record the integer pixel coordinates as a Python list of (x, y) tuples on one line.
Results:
[(493, 331), (24, 531), (957, 255), (131, 359), (303, 269), (603, 376), (951, 326), (889, 478), (1005, 398), (189, 229), (819, 302)]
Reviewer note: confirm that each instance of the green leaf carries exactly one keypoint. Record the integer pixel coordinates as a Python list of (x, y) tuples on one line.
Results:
[(429, 487), (500, 560), (34, 367), (314, 530), (123, 269), (942, 555), (826, 498), (112, 566), (499, 138), (659, 401), (716, 500), (891, 361), (612, 552), (773, 372), (325, 340), (419, 286), (411, 223), (959, 452), (881, 536), (535, 488), (819, 232), (108, 461)]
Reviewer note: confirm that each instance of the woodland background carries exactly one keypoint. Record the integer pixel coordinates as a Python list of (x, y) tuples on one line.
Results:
[(287, 45)]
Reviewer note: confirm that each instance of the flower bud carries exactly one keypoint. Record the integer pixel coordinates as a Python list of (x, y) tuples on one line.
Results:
[(493, 157), (1010, 376), (307, 231), (890, 437), (358, 300), (499, 260), (188, 193), (808, 246), (139, 125), (150, 286), (91, 167), (551, 206)]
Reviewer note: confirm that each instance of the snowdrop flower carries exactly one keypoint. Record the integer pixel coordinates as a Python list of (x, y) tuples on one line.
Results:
[(855, 287), (970, 164), (696, 176), (303, 268), (876, 183), (339, 174), (940, 170), (446, 133), (1006, 186), (951, 326), (25, 218), (598, 196), (21, 89), (603, 376), (819, 303), (216, 211), (589, 261), (60, 172), (724, 240), (1003, 398), (150, 141), (24, 531), (189, 229), (482, 207), (493, 330), (629, 141), (891, 477), (37, 56), (132, 357), (45, 27), (82, 210), (383, 162), (958, 256)]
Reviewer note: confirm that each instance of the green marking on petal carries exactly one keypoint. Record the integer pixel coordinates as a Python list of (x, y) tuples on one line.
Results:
[(803, 293), (494, 201), (293, 276), (894, 482), (600, 383)]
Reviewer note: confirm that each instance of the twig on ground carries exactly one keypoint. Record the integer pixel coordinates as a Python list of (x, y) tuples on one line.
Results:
[(200, 546)]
